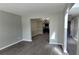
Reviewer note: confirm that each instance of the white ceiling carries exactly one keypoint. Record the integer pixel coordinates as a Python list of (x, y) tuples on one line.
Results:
[(32, 8), (74, 11)]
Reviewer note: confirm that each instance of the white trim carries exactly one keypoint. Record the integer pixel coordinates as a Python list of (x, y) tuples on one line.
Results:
[(56, 43), (26, 40), (14, 43), (66, 52), (10, 45)]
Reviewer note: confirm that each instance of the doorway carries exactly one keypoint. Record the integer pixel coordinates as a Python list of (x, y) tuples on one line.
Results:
[(72, 34), (40, 29), (46, 26)]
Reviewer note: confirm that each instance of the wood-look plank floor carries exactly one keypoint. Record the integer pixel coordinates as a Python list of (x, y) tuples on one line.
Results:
[(39, 46), (71, 46)]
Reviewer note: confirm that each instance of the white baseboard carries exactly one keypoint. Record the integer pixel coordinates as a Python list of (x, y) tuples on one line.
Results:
[(26, 40), (10, 45), (14, 43), (55, 43), (65, 52)]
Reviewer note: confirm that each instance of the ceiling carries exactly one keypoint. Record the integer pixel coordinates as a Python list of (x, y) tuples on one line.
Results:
[(32, 8), (74, 11)]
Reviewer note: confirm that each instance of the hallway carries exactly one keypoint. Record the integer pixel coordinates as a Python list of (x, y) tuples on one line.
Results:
[(39, 46)]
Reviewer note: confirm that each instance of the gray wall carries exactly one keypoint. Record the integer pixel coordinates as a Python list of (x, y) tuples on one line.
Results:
[(56, 25), (26, 29), (10, 28)]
